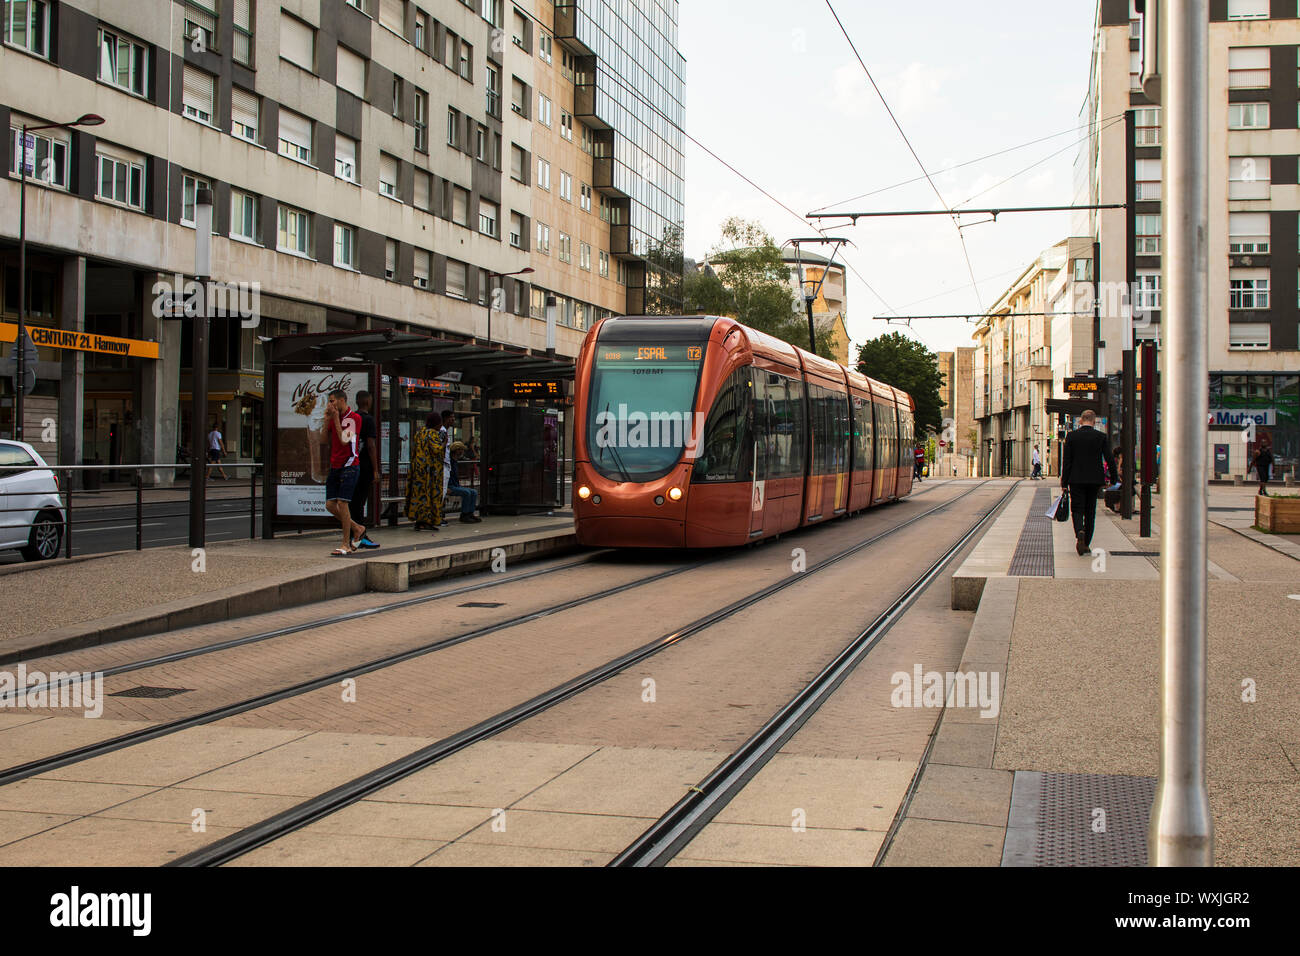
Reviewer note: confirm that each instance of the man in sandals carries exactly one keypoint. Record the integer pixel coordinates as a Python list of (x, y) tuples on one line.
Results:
[(344, 428)]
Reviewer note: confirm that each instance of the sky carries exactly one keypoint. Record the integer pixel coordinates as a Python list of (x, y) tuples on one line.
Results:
[(778, 94)]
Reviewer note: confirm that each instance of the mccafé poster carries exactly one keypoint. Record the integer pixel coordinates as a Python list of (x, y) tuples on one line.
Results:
[(302, 446)]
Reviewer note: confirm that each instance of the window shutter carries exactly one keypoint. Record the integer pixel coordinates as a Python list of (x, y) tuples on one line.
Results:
[(387, 168), (197, 90), (297, 42), (1249, 335), (1248, 58), (243, 108), (352, 73), (456, 278), (390, 256), (296, 129), (460, 206), (1248, 224), (421, 190), (422, 264), (345, 150), (392, 14), (243, 14)]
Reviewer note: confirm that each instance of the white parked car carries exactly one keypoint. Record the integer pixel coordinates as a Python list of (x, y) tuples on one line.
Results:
[(31, 512)]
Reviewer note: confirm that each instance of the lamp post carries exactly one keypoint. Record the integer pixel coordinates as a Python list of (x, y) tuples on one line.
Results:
[(811, 288), (20, 344)]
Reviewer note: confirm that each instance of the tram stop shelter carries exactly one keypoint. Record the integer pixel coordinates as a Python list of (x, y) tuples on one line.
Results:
[(519, 397)]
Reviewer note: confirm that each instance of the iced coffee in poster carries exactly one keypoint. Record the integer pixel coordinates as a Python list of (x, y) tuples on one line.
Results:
[(302, 443)]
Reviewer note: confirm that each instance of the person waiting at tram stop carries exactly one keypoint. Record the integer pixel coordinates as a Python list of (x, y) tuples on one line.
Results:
[(1086, 464), (468, 496), (1263, 464)]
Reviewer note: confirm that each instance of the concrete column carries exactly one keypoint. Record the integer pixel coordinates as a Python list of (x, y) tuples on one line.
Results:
[(159, 389), (72, 377)]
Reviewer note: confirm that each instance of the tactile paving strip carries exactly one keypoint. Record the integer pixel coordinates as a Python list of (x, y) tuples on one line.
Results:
[(1078, 819), (1033, 557)]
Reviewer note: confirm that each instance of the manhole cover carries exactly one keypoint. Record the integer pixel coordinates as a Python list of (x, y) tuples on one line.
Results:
[(143, 691), (482, 604)]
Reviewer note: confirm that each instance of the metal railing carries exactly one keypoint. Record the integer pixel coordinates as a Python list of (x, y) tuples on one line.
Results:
[(66, 494)]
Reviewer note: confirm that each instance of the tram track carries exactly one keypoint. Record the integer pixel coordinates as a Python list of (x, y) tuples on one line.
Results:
[(316, 808)]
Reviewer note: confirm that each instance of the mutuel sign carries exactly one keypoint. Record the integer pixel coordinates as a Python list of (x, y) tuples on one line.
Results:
[(1241, 417)]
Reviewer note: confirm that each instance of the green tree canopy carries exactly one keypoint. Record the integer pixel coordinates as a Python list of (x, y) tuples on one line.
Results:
[(750, 281), (907, 364)]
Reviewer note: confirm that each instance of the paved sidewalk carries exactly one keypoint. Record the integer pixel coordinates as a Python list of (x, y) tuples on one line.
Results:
[(1065, 773), (61, 605)]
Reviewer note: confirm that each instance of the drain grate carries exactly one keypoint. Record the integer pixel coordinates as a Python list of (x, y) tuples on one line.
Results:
[(482, 604), (1078, 819), (1033, 557), (1135, 554), (155, 692)]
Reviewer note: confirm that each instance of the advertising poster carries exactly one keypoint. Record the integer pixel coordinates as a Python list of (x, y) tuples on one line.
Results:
[(302, 445)]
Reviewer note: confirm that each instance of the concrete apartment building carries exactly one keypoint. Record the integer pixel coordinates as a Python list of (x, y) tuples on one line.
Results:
[(1254, 323), (1013, 371), (959, 429), (373, 162)]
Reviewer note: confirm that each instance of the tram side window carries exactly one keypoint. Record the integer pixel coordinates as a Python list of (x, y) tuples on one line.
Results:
[(862, 435), (782, 436), (727, 450)]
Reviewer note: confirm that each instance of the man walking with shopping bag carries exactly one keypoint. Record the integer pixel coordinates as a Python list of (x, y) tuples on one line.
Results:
[(1084, 462)]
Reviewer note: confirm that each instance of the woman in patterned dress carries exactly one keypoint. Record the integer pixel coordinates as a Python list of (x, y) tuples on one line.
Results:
[(424, 484)]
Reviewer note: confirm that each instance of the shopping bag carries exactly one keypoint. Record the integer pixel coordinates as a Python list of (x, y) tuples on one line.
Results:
[(1056, 503), (1063, 507)]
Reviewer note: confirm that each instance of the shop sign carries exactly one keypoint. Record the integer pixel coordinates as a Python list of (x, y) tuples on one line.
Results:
[(81, 341)]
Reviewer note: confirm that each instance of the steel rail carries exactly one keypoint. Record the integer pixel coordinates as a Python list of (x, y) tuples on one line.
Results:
[(663, 839), (309, 811)]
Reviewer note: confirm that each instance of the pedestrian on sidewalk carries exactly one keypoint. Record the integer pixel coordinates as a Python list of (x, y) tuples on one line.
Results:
[(216, 451), (343, 426), (425, 481), (362, 507), (1037, 460), (1083, 473), (445, 433), (1263, 465), (468, 496), (919, 462)]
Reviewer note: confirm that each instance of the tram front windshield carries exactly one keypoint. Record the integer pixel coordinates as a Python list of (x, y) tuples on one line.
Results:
[(642, 399)]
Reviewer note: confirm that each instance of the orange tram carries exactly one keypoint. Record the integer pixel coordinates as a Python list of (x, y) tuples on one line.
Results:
[(699, 432)]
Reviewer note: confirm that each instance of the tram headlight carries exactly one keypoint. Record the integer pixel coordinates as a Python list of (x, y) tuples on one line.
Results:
[(675, 494), (584, 492)]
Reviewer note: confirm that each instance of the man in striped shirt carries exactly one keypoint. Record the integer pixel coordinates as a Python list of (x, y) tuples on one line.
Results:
[(344, 427)]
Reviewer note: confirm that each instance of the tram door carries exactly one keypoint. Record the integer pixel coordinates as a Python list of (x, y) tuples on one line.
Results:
[(756, 412)]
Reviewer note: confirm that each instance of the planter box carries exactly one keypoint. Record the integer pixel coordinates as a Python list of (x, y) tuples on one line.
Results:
[(1277, 515)]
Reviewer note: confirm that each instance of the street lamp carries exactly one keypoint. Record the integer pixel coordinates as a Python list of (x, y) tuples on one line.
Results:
[(811, 288), (20, 344), (499, 275)]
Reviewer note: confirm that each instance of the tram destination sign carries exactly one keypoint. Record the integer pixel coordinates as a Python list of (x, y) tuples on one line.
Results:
[(536, 390), (81, 341)]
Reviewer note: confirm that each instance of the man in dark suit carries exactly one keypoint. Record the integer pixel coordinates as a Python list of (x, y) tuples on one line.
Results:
[(1086, 450)]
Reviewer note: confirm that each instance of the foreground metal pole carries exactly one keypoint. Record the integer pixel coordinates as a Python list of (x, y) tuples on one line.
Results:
[(1181, 832), (199, 377)]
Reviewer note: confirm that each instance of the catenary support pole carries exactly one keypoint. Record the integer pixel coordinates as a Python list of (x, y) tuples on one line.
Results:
[(1181, 832)]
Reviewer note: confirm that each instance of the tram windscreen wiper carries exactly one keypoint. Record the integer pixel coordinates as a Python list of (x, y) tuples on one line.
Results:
[(618, 462)]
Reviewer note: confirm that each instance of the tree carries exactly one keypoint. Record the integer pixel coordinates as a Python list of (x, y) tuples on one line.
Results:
[(907, 364), (749, 281)]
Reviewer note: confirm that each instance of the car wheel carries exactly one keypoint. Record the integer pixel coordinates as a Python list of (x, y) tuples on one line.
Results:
[(46, 536)]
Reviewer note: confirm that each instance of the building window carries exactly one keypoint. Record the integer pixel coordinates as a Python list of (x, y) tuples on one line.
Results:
[(566, 247), (456, 274), (1247, 9), (516, 230), (390, 258), (491, 11), (1146, 126), (1248, 233), (200, 26), (345, 158), (245, 111), (1249, 177), (27, 26), (544, 47), (243, 36), (544, 175), (1248, 289), (494, 90), (585, 197), (295, 136), (543, 109), (297, 42), (543, 238), (1146, 297), (1248, 67), (466, 61), (481, 144), (422, 121), (1134, 70), (245, 222), (604, 264), (345, 246), (392, 15), (422, 31), (1248, 335), (460, 206), (453, 128), (1148, 236), (487, 218), (198, 95), (1247, 116), (518, 163), (584, 256), (351, 75), (388, 175), (121, 179), (566, 186), (423, 267), (190, 186), (588, 140), (294, 233), (1147, 173), (422, 189), (397, 97), (566, 125), (122, 62), (567, 63), (519, 96), (48, 155)]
